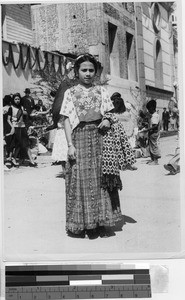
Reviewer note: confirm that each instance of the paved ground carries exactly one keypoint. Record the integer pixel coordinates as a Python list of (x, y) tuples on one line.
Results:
[(34, 214)]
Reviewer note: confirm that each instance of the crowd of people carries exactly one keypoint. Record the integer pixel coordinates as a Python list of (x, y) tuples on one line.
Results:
[(170, 119), (95, 139), (21, 115)]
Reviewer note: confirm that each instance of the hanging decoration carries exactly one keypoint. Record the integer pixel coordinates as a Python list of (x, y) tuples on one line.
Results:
[(6, 58), (22, 55)]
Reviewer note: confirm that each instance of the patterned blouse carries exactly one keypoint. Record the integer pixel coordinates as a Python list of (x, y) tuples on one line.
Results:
[(82, 104)]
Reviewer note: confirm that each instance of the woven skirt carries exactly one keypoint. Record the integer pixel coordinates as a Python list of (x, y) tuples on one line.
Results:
[(87, 204)]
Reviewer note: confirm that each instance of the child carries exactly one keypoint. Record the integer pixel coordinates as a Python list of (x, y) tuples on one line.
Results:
[(85, 107)]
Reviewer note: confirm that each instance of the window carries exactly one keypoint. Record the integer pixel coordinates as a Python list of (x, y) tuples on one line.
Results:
[(156, 17), (158, 65), (131, 59), (113, 50)]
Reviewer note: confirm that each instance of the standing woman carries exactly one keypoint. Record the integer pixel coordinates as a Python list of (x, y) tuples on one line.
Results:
[(21, 139), (153, 133), (8, 131), (88, 205)]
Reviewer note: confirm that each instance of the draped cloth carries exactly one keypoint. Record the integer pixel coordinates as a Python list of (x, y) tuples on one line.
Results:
[(153, 140), (116, 154)]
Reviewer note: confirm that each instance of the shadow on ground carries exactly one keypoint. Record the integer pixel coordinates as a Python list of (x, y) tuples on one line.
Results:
[(125, 219)]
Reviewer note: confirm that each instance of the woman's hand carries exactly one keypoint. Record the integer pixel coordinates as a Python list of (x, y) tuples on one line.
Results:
[(104, 125), (71, 152), (25, 113), (12, 131)]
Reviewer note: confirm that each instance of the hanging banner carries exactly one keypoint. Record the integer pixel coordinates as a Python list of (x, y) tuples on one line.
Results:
[(15, 53), (33, 57), (24, 55), (6, 56), (41, 59)]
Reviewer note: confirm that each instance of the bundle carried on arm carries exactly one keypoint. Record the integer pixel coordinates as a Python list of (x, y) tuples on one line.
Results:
[(116, 153)]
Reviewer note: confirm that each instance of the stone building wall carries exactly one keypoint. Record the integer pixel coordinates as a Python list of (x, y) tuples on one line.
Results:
[(158, 52), (83, 27), (45, 24), (92, 27), (150, 37), (116, 14), (75, 27)]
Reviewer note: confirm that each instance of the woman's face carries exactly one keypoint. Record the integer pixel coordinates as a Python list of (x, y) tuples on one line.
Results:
[(17, 100), (86, 73)]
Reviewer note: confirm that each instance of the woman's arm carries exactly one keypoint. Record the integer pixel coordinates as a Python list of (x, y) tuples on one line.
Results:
[(68, 131), (12, 127), (150, 129), (45, 112)]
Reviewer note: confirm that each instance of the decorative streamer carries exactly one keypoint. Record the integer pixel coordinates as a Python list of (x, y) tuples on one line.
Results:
[(34, 57), (6, 63), (22, 62), (12, 56), (32, 54)]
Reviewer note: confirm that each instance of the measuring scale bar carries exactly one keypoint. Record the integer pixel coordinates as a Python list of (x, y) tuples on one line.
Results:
[(79, 283), (79, 292)]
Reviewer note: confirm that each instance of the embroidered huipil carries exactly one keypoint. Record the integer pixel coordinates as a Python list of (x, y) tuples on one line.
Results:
[(85, 105)]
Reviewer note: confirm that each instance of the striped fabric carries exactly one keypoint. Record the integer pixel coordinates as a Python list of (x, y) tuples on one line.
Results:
[(87, 204)]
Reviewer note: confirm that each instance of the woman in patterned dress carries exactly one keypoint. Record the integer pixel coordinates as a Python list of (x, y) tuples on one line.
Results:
[(88, 206)]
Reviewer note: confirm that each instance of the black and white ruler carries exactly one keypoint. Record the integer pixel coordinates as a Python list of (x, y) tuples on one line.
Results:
[(87, 281)]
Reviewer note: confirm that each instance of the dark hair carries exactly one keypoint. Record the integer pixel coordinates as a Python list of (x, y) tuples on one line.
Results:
[(118, 102), (7, 100), (115, 95), (13, 102), (151, 104), (82, 58), (16, 95)]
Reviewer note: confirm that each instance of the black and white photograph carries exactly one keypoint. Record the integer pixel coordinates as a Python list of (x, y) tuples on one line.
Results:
[(92, 139)]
